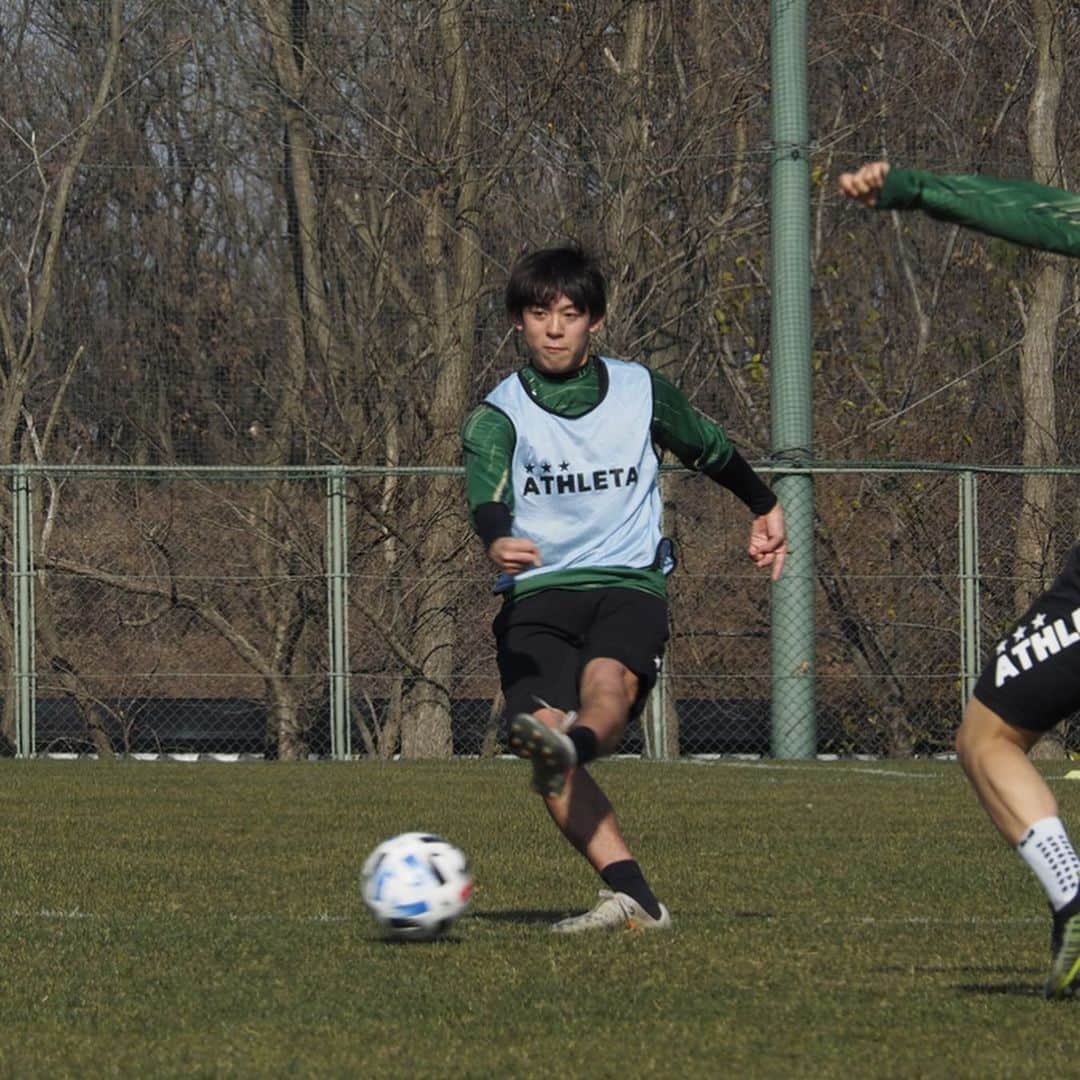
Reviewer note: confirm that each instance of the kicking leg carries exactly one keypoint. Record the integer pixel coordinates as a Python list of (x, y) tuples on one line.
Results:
[(994, 755), (583, 812), (573, 799)]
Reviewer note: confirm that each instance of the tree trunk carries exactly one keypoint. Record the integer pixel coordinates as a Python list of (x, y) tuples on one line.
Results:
[(20, 359), (626, 222), (1040, 446), (456, 284), (309, 335)]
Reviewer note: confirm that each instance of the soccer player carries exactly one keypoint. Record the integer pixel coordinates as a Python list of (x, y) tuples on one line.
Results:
[(561, 466), (1032, 681)]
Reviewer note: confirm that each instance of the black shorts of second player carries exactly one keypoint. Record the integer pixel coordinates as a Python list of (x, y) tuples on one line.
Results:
[(545, 640), (1032, 679)]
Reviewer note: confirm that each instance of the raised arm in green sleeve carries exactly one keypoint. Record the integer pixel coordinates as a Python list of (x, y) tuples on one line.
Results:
[(1020, 211)]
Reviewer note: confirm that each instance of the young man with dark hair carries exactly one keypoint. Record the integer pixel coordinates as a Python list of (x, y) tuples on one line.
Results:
[(561, 465), (1032, 682)]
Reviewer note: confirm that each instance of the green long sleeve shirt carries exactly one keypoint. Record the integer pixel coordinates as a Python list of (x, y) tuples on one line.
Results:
[(1021, 211)]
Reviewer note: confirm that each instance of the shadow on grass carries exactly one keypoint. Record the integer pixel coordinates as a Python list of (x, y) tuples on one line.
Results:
[(968, 969), (1005, 989), (548, 915), (443, 941), (524, 915), (987, 985)]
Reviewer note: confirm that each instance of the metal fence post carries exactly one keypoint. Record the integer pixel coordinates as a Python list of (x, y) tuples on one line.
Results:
[(654, 721), (656, 746), (24, 679), (337, 573), (970, 644)]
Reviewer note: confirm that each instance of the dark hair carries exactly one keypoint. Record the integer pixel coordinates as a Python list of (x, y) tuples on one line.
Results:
[(539, 277)]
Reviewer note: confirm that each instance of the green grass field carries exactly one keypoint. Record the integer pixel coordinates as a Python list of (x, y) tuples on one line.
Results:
[(845, 919)]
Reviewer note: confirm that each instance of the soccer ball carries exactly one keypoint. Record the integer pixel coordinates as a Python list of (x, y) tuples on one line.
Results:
[(416, 885)]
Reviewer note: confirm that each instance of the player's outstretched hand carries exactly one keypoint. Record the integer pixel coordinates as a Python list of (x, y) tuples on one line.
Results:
[(512, 554), (865, 183), (768, 541)]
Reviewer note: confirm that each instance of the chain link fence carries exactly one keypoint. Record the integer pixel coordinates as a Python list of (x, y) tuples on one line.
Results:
[(251, 255), (346, 612)]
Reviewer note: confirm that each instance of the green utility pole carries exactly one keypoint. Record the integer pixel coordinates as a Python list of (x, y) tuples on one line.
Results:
[(793, 727)]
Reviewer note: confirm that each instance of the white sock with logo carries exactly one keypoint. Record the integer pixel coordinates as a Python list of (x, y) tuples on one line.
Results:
[(1047, 849)]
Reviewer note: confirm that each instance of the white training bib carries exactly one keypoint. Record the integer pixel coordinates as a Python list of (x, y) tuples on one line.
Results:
[(585, 488)]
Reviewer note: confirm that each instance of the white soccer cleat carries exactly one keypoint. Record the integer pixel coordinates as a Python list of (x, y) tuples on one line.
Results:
[(616, 911)]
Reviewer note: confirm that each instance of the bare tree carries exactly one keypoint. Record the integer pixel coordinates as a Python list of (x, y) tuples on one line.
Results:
[(22, 330), (1038, 353), (277, 232)]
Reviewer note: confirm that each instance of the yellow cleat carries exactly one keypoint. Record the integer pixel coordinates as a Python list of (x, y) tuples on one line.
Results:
[(1065, 951)]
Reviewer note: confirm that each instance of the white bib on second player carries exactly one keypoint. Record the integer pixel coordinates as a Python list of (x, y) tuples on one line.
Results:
[(585, 488)]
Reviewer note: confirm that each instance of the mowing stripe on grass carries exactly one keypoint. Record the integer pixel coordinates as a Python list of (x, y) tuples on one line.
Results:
[(818, 767), (76, 914)]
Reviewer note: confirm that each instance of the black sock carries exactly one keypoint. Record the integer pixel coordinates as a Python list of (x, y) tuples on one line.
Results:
[(584, 740), (626, 877)]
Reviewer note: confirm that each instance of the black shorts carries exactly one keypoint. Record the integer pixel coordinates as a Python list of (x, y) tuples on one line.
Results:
[(545, 640), (1033, 679)]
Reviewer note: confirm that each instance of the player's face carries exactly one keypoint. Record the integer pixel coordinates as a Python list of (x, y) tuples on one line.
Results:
[(557, 335)]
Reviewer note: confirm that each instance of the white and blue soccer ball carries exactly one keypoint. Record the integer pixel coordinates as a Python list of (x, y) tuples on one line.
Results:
[(417, 885)]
